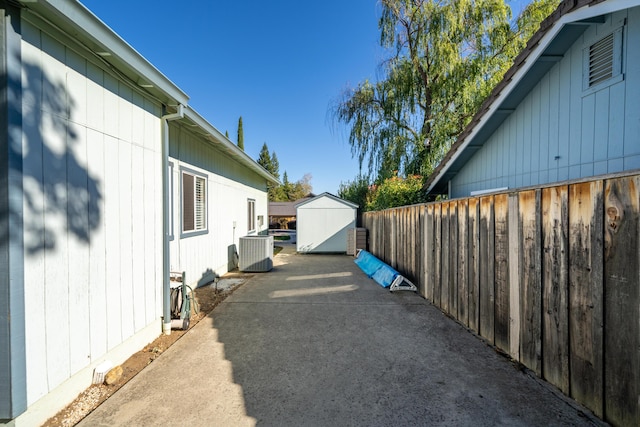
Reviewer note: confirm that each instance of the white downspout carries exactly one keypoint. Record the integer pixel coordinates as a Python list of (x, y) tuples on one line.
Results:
[(166, 232)]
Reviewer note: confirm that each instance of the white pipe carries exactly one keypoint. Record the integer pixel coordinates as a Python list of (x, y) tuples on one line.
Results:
[(166, 288)]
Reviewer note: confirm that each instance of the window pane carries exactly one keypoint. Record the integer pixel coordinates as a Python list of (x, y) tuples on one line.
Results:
[(201, 205), (251, 215), (187, 203)]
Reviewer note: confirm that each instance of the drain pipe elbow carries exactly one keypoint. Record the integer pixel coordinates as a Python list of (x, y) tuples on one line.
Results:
[(166, 232)]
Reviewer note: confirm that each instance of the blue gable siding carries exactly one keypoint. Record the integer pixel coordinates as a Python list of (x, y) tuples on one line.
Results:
[(559, 131)]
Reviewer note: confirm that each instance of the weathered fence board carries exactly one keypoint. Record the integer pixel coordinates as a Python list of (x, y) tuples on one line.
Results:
[(446, 258), (555, 286), (437, 280), (420, 249), (585, 294), (501, 271), (463, 262), (514, 277), (429, 252), (453, 259), (474, 264), (487, 252), (530, 279), (622, 301)]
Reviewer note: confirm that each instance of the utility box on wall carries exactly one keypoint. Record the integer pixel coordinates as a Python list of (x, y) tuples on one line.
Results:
[(323, 222), (256, 253)]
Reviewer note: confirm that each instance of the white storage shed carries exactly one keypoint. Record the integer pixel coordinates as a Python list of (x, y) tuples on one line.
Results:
[(323, 223)]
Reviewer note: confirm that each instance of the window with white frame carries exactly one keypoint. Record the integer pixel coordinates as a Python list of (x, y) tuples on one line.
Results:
[(194, 202), (603, 61), (251, 215)]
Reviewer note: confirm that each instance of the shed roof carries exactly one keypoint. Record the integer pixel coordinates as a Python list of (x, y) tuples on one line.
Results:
[(87, 33), (547, 46), (328, 195)]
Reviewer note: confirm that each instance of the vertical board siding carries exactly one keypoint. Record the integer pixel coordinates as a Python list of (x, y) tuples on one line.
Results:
[(86, 260), (622, 301), (206, 255), (585, 294), (555, 296), (78, 220), (97, 244)]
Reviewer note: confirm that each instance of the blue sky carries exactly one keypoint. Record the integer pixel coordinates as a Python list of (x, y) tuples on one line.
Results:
[(279, 64)]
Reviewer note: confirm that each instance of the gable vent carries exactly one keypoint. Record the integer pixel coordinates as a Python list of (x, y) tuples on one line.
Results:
[(601, 60)]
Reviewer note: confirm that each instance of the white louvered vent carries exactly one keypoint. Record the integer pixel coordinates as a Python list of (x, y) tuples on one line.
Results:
[(601, 61)]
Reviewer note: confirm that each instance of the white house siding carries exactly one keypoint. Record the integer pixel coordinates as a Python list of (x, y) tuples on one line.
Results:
[(92, 210), (229, 186), (557, 132)]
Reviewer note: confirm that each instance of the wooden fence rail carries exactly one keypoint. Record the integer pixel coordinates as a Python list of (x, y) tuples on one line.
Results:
[(550, 276)]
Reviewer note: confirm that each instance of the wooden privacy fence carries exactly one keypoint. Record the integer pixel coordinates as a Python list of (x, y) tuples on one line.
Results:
[(550, 276)]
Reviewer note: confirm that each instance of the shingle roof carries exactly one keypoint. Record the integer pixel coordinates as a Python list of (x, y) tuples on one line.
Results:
[(287, 209)]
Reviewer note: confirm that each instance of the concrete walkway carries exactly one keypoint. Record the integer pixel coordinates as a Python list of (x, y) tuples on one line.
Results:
[(315, 342)]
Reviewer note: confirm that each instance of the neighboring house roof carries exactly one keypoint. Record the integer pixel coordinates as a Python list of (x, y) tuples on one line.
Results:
[(286, 209), (556, 35), (282, 209), (329, 195), (93, 36)]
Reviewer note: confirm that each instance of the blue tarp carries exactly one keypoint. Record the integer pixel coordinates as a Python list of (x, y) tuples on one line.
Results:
[(382, 273)]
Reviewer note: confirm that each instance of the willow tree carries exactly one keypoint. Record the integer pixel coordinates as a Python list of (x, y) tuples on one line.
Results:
[(445, 57)]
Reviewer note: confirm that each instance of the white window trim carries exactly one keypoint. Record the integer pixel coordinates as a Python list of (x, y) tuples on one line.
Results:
[(251, 215), (196, 176)]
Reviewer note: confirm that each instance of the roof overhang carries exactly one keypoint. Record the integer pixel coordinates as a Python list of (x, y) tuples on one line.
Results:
[(543, 51), (90, 33), (206, 130)]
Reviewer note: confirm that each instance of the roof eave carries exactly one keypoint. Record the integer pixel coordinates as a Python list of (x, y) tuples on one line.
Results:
[(515, 79), (88, 30), (224, 144)]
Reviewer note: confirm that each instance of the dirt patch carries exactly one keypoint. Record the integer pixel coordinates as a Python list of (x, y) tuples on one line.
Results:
[(207, 297)]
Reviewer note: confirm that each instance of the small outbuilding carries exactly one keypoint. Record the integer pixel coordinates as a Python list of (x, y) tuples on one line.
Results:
[(323, 223)]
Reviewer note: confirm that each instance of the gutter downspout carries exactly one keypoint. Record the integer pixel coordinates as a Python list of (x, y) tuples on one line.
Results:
[(166, 233)]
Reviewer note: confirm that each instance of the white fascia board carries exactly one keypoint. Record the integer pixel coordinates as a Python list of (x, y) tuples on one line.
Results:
[(74, 18), (575, 16), (215, 136)]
